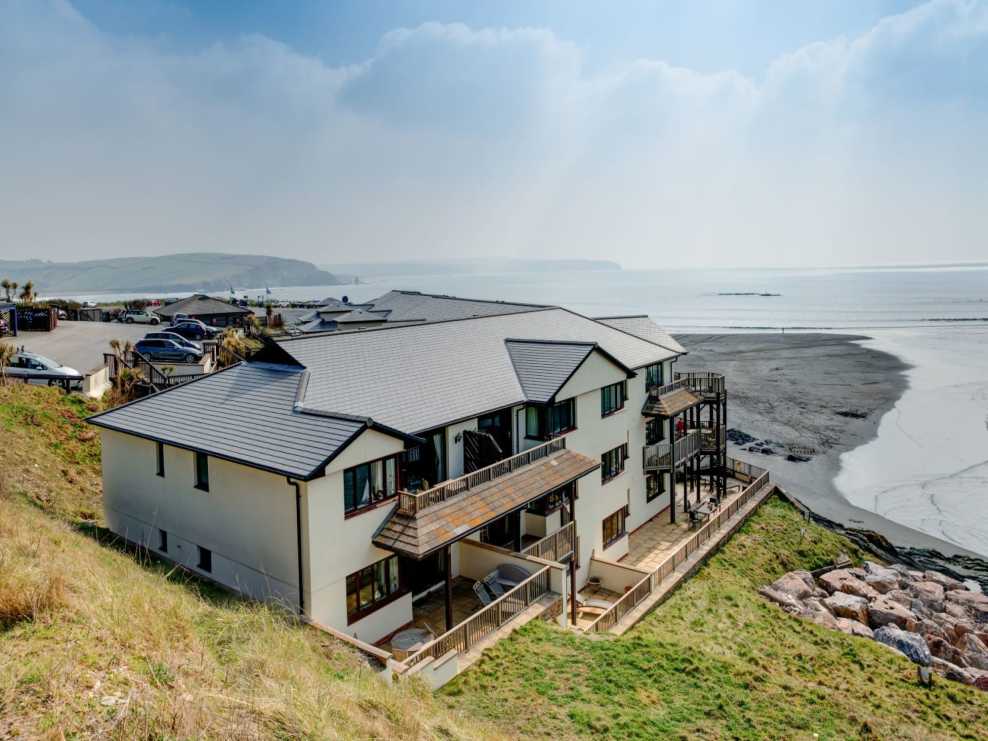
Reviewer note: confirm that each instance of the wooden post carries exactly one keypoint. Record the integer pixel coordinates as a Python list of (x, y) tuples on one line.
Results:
[(672, 468), (573, 558), (448, 591), (516, 526)]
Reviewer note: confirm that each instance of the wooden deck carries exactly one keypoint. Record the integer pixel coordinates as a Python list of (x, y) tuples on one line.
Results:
[(652, 542), (430, 611)]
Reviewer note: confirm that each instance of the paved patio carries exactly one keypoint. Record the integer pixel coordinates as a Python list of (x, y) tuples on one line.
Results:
[(651, 544)]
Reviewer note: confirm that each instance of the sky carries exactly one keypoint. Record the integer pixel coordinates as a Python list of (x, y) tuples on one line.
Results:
[(698, 133)]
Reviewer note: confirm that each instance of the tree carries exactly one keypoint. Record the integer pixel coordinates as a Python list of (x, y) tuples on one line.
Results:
[(5, 285), (7, 352), (27, 293)]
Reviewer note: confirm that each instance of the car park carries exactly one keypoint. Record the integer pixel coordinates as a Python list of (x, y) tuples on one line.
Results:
[(174, 337), (138, 316), (167, 350)]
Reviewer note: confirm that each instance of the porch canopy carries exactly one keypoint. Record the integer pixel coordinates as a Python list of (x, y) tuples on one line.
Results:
[(662, 403), (421, 532)]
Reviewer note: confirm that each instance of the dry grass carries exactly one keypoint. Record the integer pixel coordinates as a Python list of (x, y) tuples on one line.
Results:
[(98, 642)]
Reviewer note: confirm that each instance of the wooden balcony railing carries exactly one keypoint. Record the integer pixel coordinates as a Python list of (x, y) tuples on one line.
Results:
[(757, 477), (712, 436), (554, 547), (668, 388), (481, 624), (411, 504), (703, 382), (665, 455)]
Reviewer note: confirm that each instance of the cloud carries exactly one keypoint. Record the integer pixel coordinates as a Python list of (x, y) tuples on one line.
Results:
[(450, 140)]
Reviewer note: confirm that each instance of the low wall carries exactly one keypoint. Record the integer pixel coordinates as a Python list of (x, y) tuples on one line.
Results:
[(615, 576), (96, 382)]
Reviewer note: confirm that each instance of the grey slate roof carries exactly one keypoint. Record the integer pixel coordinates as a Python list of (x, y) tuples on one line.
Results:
[(543, 367), (199, 305), (642, 326), (244, 414), (362, 315), (421, 376), (412, 306)]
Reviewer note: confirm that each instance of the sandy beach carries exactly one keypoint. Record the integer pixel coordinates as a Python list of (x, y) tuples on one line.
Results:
[(821, 396)]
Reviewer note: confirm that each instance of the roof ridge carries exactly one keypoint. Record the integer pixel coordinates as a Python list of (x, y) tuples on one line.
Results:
[(450, 296)]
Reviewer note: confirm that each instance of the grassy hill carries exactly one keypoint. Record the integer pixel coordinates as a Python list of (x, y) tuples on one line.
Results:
[(95, 641), (201, 271)]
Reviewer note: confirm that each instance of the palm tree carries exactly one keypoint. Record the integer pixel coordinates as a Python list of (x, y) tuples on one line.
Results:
[(5, 285), (232, 348), (13, 288), (27, 293), (7, 352)]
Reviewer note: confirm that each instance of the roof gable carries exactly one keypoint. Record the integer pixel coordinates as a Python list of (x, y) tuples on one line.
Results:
[(199, 305), (543, 366)]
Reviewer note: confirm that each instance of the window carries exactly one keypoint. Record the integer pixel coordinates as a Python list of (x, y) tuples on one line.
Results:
[(612, 398), (163, 541), (614, 526), (612, 463), (545, 506), (653, 376), (371, 588), (160, 456), (202, 471), (545, 423), (369, 483), (655, 485), (654, 431), (205, 559)]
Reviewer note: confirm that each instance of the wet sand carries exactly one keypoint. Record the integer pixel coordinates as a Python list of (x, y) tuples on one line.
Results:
[(789, 389)]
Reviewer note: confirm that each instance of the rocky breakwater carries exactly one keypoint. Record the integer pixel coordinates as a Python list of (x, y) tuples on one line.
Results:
[(933, 619)]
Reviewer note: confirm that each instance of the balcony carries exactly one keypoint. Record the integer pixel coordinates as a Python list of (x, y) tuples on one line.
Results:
[(670, 399), (705, 384), (713, 437), (427, 521), (666, 455)]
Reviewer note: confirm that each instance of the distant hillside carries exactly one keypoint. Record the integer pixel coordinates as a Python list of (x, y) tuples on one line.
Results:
[(460, 267), (202, 271)]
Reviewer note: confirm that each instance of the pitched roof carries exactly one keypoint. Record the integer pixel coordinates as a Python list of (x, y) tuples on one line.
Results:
[(671, 403), (642, 326), (361, 315), (200, 305), (421, 376), (245, 414), (420, 534), (543, 367)]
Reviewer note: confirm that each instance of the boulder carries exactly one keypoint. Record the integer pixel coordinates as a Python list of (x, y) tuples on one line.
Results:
[(975, 603), (930, 593), (982, 683), (944, 650), (902, 597), (920, 608), (842, 580), (854, 628), (857, 571), (947, 582), (848, 606), (799, 584), (786, 601), (952, 671), (973, 586), (882, 583), (929, 628), (911, 645), (885, 611), (955, 610), (873, 569), (975, 652), (815, 610)]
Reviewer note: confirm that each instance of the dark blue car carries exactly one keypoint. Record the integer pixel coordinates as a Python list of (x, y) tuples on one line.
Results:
[(168, 350)]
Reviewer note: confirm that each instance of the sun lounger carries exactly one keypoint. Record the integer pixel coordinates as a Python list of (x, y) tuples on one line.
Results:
[(482, 594)]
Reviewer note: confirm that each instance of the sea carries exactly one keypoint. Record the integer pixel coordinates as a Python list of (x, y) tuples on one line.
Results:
[(927, 468)]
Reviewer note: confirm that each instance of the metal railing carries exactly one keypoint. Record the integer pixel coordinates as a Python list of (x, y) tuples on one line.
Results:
[(411, 504), (481, 624), (703, 382), (667, 455), (554, 547), (633, 597)]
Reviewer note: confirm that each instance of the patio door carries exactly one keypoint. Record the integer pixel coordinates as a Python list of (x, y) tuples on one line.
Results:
[(479, 449), (422, 576)]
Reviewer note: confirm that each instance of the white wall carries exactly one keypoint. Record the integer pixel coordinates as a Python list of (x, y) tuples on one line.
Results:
[(338, 546), (247, 518)]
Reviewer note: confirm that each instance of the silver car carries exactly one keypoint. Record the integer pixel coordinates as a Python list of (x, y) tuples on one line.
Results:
[(31, 365)]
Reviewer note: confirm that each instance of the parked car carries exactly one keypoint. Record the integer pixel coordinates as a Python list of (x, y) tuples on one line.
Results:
[(138, 316), (180, 317), (168, 350), (193, 330), (174, 337), (29, 364), (62, 314)]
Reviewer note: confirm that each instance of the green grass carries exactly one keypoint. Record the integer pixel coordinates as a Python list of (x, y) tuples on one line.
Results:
[(716, 660), (96, 642)]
